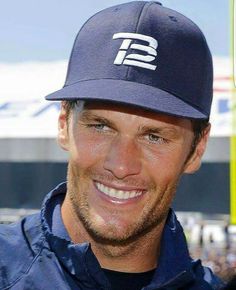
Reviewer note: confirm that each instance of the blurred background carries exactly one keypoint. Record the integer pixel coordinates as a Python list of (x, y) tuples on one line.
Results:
[(36, 41)]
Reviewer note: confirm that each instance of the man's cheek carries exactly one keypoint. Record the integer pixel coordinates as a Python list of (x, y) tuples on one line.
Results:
[(88, 154)]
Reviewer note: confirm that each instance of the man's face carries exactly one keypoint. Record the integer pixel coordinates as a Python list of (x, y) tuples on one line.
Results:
[(124, 166)]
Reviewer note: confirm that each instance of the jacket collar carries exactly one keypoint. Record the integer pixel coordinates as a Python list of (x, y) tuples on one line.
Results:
[(78, 259), (174, 265)]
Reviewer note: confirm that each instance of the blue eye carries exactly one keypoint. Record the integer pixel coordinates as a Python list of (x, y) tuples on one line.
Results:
[(155, 139), (98, 127)]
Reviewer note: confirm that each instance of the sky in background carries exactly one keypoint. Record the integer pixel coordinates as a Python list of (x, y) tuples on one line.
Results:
[(45, 30)]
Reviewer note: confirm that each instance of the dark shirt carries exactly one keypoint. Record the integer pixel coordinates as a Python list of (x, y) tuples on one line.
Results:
[(128, 281)]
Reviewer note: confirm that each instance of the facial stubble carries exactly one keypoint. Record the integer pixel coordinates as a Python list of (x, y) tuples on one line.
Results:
[(150, 218)]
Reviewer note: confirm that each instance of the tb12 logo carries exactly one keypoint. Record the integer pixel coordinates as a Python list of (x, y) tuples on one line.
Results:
[(136, 59)]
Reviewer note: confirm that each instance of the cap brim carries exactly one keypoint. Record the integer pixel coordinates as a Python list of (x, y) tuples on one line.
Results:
[(129, 93)]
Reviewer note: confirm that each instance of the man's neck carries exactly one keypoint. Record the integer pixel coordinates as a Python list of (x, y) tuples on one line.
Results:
[(140, 255), (135, 257)]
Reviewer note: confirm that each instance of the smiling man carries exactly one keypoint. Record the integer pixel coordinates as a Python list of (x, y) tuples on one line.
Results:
[(123, 170), (134, 118)]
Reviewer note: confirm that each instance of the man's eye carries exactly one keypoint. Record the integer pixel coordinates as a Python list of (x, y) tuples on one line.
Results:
[(99, 127), (155, 139)]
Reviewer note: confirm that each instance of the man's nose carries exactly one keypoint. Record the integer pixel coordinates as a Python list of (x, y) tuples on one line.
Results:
[(123, 158)]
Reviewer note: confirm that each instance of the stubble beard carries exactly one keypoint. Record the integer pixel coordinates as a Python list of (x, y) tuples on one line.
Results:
[(150, 219)]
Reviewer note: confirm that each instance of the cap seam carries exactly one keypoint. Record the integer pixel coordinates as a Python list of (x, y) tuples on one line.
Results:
[(76, 38), (136, 28), (72, 52), (141, 15), (194, 24)]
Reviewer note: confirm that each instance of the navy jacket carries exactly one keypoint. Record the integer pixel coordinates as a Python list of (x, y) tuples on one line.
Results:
[(36, 253)]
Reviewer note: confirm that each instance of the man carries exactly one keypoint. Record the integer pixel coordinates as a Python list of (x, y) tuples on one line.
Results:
[(134, 118)]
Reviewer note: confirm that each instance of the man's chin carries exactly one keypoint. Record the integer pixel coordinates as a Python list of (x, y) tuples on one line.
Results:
[(117, 235), (105, 234)]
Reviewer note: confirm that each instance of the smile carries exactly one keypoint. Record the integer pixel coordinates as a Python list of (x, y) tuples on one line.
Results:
[(119, 194)]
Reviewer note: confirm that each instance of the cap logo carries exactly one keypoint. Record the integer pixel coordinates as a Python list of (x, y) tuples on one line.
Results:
[(136, 59)]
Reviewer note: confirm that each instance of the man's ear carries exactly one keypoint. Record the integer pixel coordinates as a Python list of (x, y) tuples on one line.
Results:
[(194, 161), (63, 136)]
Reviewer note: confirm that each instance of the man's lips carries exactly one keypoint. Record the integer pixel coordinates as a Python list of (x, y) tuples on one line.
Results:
[(120, 194)]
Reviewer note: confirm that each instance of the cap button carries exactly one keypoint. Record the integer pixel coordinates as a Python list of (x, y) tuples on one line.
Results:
[(157, 2)]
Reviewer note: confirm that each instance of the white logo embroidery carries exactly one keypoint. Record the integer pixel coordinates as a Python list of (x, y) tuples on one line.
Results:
[(136, 59)]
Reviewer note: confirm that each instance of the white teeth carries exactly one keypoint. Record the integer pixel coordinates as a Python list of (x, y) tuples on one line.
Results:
[(121, 194), (132, 194)]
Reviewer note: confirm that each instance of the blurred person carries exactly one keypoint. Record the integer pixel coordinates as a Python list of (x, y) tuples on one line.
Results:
[(227, 236), (201, 240), (134, 118)]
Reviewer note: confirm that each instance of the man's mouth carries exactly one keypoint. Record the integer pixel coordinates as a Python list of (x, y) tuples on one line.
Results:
[(119, 194)]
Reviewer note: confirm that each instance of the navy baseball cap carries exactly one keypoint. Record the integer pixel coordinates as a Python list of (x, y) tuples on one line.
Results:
[(143, 54)]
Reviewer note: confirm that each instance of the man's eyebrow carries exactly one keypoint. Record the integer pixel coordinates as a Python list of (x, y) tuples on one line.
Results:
[(87, 116), (170, 131)]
